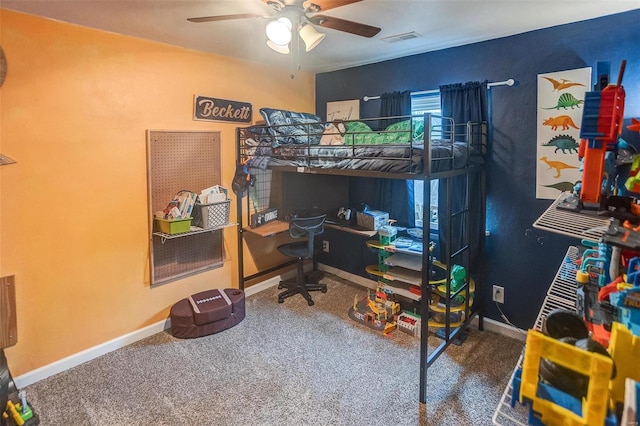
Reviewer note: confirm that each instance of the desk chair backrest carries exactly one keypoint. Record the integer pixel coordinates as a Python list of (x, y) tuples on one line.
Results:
[(309, 227)]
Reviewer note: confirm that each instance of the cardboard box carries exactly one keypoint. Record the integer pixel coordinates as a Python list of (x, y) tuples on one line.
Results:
[(372, 219)]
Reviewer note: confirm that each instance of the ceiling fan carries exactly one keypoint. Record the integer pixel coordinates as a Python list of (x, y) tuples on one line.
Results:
[(299, 16)]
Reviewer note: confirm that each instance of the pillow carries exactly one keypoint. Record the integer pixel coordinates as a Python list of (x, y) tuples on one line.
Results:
[(399, 132), (418, 129), (333, 133), (292, 127), (358, 133)]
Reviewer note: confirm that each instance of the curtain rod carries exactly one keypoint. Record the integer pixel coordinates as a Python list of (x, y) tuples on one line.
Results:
[(509, 82)]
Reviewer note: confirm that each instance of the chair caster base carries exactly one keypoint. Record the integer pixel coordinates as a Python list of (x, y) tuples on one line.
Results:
[(295, 287)]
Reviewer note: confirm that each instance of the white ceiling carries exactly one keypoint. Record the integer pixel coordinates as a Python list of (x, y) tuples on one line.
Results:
[(440, 23)]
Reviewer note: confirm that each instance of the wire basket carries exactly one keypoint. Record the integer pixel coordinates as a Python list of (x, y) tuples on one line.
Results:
[(212, 215)]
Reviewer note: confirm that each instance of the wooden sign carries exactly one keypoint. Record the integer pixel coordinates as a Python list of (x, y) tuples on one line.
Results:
[(214, 109)]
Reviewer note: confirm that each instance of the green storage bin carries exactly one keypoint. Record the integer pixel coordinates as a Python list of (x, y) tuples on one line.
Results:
[(171, 227)]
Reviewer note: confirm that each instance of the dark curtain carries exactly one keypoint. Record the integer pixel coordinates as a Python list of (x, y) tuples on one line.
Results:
[(464, 103), (394, 104), (391, 195)]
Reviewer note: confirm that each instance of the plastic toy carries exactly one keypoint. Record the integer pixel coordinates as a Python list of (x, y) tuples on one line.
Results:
[(376, 311), (409, 323), (596, 270), (625, 351), (627, 302), (597, 315), (551, 406), (601, 125), (19, 413)]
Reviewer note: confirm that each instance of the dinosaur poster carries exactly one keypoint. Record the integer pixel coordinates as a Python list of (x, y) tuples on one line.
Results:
[(560, 106)]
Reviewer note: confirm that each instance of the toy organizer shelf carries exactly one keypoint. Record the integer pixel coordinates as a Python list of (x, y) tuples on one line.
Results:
[(586, 225), (582, 225), (561, 295), (193, 230)]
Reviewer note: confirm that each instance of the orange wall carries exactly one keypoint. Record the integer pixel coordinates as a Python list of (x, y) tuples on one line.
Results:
[(73, 210)]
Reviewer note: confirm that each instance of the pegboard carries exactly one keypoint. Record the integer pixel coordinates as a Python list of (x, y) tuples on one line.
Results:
[(182, 160)]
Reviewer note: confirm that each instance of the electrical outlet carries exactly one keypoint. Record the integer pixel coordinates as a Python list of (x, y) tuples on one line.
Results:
[(498, 294), (325, 246)]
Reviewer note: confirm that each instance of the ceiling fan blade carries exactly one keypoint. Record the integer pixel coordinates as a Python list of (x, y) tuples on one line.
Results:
[(356, 28), (323, 5), (225, 17)]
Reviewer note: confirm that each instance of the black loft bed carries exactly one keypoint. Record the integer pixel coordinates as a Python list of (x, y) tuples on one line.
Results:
[(423, 147)]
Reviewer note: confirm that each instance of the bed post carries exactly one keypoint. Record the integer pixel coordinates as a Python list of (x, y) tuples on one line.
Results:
[(426, 259)]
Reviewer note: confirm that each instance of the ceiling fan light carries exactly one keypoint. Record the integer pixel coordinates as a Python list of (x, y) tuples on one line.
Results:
[(310, 36), (279, 31), (284, 49)]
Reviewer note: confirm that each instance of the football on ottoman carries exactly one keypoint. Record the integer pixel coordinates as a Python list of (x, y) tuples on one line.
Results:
[(207, 312)]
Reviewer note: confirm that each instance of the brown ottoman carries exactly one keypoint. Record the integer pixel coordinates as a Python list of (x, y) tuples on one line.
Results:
[(207, 312)]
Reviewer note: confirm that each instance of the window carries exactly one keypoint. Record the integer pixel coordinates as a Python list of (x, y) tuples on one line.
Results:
[(422, 103)]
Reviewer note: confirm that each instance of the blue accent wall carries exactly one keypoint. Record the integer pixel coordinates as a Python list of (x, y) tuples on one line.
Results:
[(521, 258)]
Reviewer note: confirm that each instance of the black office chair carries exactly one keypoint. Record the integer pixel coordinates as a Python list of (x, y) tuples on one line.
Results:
[(301, 227)]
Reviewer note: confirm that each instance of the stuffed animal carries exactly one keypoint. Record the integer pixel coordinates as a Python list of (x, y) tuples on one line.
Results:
[(333, 133)]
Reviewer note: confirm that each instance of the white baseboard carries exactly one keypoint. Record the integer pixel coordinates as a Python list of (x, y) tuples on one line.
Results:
[(120, 342), (89, 354), (502, 328)]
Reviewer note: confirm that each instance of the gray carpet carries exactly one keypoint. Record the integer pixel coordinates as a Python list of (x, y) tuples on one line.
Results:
[(285, 364)]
